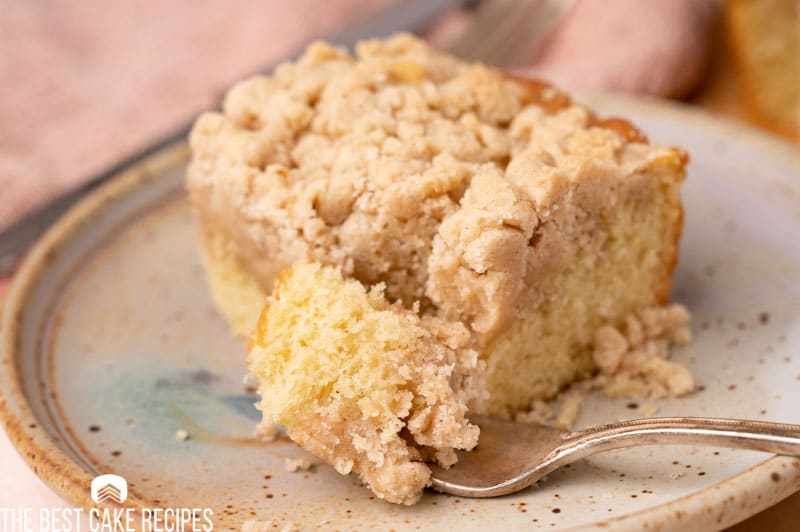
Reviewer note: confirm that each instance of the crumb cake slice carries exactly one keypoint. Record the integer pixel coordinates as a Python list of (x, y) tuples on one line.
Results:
[(486, 200), (366, 385)]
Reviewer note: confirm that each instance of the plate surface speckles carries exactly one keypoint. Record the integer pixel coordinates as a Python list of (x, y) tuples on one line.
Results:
[(111, 344)]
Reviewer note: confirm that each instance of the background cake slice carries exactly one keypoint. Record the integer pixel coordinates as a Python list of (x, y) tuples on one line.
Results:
[(369, 387), (489, 201)]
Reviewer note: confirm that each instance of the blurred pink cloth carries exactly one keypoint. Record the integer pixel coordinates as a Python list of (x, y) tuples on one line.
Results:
[(88, 83), (656, 47)]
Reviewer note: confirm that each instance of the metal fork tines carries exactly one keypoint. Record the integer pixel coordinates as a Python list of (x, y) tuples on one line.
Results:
[(507, 33)]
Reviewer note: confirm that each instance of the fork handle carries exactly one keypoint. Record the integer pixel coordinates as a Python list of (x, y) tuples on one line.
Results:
[(778, 438)]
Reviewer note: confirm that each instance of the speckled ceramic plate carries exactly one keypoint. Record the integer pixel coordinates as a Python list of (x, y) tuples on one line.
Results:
[(111, 344)]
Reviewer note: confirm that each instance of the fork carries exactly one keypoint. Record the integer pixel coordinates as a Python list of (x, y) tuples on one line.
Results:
[(512, 456), (507, 33)]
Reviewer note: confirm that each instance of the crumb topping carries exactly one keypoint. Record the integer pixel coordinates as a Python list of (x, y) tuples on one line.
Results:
[(403, 165), (301, 463)]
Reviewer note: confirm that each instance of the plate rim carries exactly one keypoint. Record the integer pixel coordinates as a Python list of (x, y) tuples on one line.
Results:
[(41, 453), (36, 446)]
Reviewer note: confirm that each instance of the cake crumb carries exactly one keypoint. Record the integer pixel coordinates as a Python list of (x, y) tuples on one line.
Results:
[(267, 432), (569, 409), (609, 347), (635, 364), (250, 383), (562, 411), (648, 409), (540, 413), (252, 525), (181, 435), (632, 362), (301, 463)]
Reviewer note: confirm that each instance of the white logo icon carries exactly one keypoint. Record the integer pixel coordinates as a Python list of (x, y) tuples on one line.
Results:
[(109, 488)]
